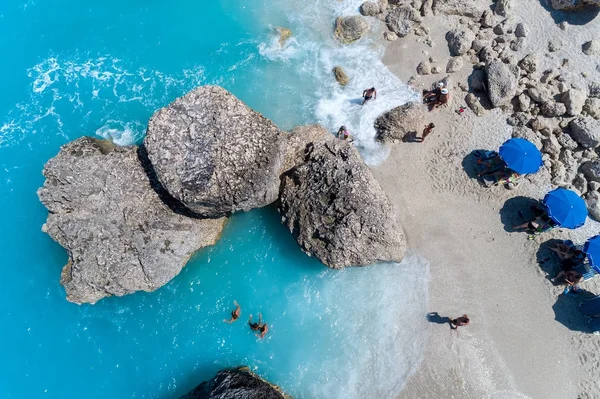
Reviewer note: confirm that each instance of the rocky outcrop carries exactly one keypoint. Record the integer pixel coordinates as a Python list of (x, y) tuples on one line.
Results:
[(394, 124), (570, 5), (335, 208), (120, 236), (459, 40), (402, 19), (466, 8), (370, 8), (340, 75), (501, 82), (239, 383), (350, 29), (214, 154), (586, 131)]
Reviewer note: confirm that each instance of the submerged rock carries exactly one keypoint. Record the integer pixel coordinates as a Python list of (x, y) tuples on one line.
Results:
[(340, 76), (394, 124), (214, 154), (335, 208), (350, 29), (502, 82), (284, 35), (119, 234), (239, 383)]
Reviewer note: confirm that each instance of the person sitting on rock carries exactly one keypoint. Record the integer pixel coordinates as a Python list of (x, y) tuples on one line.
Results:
[(263, 329), (433, 94), (442, 99), (369, 94), (343, 134), (459, 321), (255, 326), (235, 313)]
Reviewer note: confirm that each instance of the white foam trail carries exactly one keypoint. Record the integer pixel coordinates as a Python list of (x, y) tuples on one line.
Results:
[(314, 53), (121, 133)]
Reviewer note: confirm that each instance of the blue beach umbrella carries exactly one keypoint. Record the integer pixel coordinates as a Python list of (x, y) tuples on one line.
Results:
[(566, 208), (592, 250), (521, 155)]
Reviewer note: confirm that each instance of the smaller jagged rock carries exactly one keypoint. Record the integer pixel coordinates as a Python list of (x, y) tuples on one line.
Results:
[(435, 70), (474, 104), (487, 19), (524, 102), (553, 108), (593, 205), (239, 383), (586, 131), (454, 64), (503, 7), (592, 107), (402, 19), (479, 44), (539, 94), (591, 48), (566, 141), (370, 8), (591, 170), (459, 41), (526, 133), (350, 29), (594, 89), (580, 183), (574, 100), (396, 123), (340, 75), (518, 44), (502, 82), (529, 63), (424, 68), (390, 36), (554, 45), (521, 30)]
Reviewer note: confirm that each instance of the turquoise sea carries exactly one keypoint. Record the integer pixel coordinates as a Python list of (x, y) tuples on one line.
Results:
[(73, 68)]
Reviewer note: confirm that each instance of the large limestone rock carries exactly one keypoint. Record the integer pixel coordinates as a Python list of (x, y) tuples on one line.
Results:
[(586, 131), (394, 124), (335, 208), (502, 82), (350, 29), (214, 154), (402, 19), (570, 5), (120, 236), (467, 8), (340, 75), (238, 383), (460, 40)]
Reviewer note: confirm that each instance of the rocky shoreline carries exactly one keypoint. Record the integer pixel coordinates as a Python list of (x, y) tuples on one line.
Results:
[(131, 217)]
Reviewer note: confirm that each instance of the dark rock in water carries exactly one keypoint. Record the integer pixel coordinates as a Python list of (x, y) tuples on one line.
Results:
[(350, 29), (214, 154), (402, 19), (237, 383), (394, 124), (335, 208), (120, 236), (340, 75)]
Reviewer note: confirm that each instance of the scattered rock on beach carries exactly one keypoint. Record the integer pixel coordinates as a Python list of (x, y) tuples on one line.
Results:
[(553, 109), (487, 19), (370, 8), (555, 45), (521, 30), (390, 36), (593, 205), (466, 8), (591, 170), (214, 154), (529, 63), (350, 29), (239, 383), (574, 100), (502, 82), (455, 64), (592, 107), (118, 232), (539, 93), (586, 131), (474, 104), (591, 48), (402, 19), (393, 125), (502, 7), (335, 208), (459, 41), (571, 5), (524, 102), (424, 68), (340, 76)]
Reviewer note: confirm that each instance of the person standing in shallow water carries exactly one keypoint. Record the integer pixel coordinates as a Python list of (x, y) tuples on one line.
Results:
[(369, 94), (235, 313)]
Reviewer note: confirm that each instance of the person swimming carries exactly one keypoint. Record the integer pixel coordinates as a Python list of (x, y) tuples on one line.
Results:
[(235, 313), (369, 94), (255, 326), (263, 329)]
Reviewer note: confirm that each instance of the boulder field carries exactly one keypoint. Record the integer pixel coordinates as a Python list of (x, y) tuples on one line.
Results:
[(131, 217)]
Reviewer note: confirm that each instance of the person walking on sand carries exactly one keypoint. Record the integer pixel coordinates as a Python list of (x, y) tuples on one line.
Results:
[(459, 321), (369, 94), (428, 129), (255, 326), (235, 313)]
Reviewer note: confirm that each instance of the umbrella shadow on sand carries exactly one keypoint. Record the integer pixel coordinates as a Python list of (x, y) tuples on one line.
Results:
[(468, 164), (566, 311), (509, 213)]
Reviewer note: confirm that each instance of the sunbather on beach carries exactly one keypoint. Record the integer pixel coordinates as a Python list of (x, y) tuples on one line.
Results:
[(570, 278), (491, 164), (235, 313), (459, 321), (255, 326), (540, 223), (433, 94), (567, 251), (442, 99)]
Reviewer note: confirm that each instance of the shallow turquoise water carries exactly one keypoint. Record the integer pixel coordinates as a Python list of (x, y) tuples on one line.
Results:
[(85, 68)]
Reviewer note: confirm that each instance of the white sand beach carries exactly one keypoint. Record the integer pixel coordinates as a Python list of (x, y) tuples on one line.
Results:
[(525, 339)]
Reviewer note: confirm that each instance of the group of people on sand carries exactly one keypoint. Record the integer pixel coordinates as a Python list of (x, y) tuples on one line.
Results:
[(569, 257), (541, 221), (260, 327), (437, 97)]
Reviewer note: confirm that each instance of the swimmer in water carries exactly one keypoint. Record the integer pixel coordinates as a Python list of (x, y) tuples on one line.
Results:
[(235, 314), (255, 326), (264, 329)]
